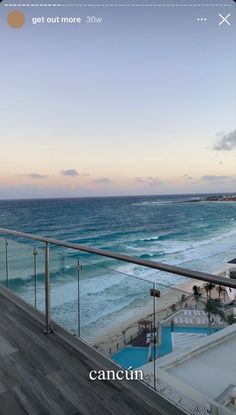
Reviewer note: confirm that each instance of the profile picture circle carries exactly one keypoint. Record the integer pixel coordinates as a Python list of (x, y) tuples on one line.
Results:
[(16, 19)]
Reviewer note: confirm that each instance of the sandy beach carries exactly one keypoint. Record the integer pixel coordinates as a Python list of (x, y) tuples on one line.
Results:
[(116, 335)]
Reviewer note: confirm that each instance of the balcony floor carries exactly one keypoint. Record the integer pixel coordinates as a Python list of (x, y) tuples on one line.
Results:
[(42, 374)]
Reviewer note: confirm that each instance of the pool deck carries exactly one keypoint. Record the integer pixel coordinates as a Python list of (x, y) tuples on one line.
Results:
[(48, 374)]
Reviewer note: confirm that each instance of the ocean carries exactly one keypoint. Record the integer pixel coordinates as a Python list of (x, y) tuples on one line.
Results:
[(171, 229)]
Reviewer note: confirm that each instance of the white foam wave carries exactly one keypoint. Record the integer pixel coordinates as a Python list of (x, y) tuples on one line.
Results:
[(109, 294), (150, 238), (203, 253)]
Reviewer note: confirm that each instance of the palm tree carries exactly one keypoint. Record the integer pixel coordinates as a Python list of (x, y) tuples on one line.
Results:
[(208, 288), (213, 307), (196, 293), (220, 289), (173, 307), (195, 290)]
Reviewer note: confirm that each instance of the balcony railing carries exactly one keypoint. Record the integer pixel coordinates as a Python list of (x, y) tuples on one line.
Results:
[(132, 310)]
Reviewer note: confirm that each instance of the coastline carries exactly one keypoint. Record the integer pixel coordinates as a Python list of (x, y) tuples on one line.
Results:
[(215, 198), (115, 338)]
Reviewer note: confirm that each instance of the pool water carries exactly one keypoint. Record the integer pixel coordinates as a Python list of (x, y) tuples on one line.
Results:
[(138, 356), (131, 356)]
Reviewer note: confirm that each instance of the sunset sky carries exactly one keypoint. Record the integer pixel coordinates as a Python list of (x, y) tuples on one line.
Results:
[(143, 103)]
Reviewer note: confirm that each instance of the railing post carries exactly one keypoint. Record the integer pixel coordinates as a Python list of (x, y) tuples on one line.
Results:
[(79, 269), (7, 273), (154, 338), (48, 328), (35, 276)]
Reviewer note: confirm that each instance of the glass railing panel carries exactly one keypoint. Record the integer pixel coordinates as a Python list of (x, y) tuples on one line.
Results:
[(39, 276), (112, 306), (64, 291), (3, 267), (117, 316), (24, 275), (192, 307), (195, 322)]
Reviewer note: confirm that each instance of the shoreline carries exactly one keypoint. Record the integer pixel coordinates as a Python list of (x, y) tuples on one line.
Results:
[(214, 198), (114, 339)]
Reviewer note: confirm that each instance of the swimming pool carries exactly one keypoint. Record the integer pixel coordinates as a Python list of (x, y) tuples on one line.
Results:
[(138, 356), (131, 356)]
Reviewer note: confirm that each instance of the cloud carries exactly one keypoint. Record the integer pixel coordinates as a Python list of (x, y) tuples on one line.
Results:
[(225, 142), (139, 180), (188, 177), (103, 180), (214, 179), (150, 181), (34, 176), (69, 172), (154, 181)]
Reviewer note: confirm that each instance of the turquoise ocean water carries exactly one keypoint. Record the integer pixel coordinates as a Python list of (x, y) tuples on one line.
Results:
[(169, 229)]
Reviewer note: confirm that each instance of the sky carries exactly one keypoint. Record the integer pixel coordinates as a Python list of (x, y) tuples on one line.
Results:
[(142, 103)]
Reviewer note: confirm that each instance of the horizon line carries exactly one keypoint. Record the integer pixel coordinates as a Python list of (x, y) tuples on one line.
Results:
[(115, 196)]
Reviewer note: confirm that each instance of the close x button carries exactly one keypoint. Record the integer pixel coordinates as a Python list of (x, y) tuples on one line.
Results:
[(224, 19)]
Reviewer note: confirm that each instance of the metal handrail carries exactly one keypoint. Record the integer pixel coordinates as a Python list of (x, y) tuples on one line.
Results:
[(197, 275)]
